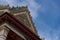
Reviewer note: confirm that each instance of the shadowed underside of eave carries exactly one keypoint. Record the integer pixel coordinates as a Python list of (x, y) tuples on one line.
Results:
[(13, 36), (9, 18)]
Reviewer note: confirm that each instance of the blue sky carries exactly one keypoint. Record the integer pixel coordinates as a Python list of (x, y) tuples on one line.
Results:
[(45, 14)]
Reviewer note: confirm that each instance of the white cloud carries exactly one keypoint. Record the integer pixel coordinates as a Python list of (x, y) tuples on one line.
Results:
[(33, 7), (57, 37), (3, 2), (12, 2)]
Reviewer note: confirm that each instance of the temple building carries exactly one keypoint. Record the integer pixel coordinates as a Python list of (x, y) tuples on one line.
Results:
[(16, 24)]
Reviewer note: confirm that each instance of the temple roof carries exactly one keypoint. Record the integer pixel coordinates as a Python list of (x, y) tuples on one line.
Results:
[(6, 17)]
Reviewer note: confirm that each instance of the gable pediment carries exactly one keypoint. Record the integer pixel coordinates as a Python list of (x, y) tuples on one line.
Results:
[(6, 17)]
